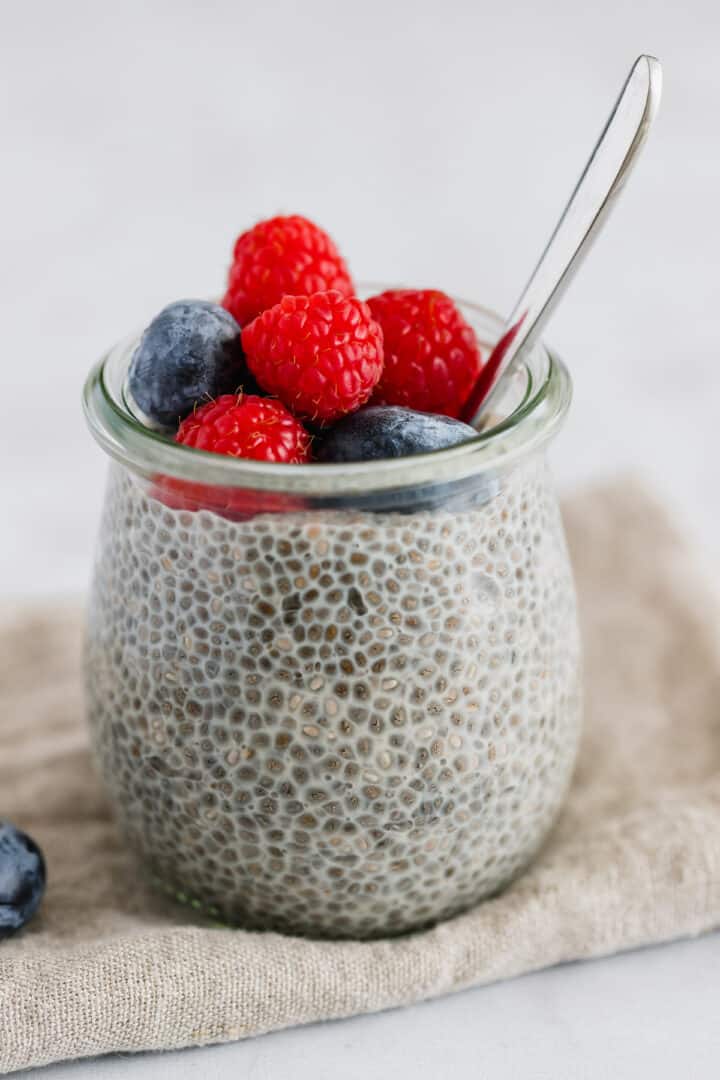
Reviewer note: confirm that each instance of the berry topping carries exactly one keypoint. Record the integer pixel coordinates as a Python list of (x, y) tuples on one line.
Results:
[(321, 354), (282, 256), (235, 504), (246, 426), (432, 358), (22, 878), (191, 352), (389, 431)]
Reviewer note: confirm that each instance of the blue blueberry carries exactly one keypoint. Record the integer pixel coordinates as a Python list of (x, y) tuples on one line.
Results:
[(389, 431), (189, 353), (22, 878)]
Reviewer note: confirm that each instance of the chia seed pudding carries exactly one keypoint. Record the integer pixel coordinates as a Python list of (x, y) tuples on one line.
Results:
[(335, 722), (329, 695)]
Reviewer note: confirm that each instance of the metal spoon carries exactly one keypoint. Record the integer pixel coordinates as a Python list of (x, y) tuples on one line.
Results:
[(594, 196)]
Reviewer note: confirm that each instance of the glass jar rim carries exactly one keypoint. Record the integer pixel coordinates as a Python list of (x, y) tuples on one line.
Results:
[(543, 404)]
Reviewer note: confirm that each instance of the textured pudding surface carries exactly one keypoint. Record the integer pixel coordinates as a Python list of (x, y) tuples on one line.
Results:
[(333, 722)]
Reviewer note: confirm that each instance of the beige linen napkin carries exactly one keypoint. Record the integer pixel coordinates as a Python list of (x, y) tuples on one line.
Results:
[(635, 858)]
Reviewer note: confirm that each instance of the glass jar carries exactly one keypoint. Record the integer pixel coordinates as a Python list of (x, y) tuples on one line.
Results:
[(334, 700)]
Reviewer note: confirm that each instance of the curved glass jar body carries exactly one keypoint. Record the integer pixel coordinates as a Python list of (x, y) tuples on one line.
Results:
[(334, 700)]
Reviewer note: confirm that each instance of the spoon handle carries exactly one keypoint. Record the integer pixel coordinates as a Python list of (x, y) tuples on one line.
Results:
[(590, 203)]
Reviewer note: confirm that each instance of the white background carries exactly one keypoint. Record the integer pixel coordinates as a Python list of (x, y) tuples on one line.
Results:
[(437, 142)]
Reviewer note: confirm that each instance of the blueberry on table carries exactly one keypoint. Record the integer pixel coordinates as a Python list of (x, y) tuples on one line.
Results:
[(191, 352), (389, 431), (22, 878)]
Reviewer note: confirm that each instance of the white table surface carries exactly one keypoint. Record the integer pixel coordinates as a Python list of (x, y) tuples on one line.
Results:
[(437, 142)]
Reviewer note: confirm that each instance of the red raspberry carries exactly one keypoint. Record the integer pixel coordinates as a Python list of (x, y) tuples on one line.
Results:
[(246, 426), (236, 504), (321, 354), (431, 354), (284, 256)]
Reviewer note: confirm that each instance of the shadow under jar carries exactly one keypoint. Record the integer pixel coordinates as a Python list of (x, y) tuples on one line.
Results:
[(334, 700)]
